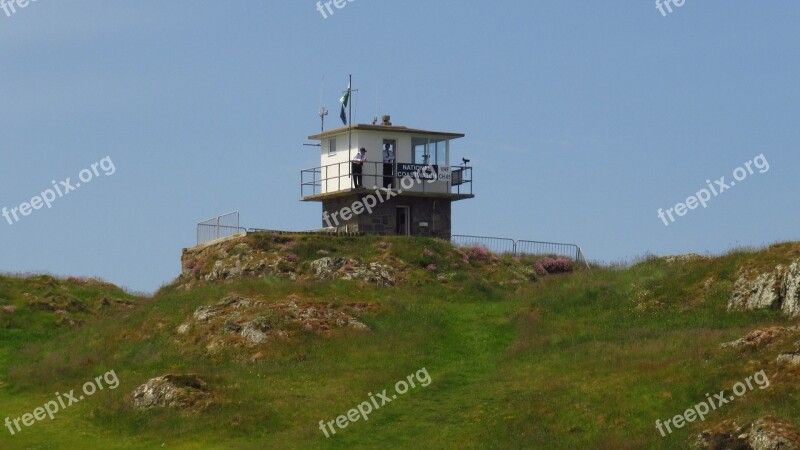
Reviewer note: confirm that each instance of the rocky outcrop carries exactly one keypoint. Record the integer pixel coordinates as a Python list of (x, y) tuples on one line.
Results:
[(761, 338), (237, 321), (349, 269), (778, 289), (771, 434), (689, 257), (766, 433), (790, 290), (172, 391), (232, 260)]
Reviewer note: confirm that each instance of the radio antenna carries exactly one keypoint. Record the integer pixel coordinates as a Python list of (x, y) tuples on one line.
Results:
[(323, 111)]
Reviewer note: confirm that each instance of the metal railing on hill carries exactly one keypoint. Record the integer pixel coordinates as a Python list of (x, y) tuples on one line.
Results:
[(218, 227), (227, 225), (522, 247)]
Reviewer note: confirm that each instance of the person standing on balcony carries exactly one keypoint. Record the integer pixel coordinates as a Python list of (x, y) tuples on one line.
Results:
[(358, 167), (388, 166)]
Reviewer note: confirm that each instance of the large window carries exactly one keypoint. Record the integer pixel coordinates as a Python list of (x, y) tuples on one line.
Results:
[(429, 151)]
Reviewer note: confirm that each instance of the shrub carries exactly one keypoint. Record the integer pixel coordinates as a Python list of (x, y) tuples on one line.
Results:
[(553, 266), (477, 253)]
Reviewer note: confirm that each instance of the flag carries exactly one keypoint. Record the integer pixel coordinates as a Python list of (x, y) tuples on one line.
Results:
[(344, 101)]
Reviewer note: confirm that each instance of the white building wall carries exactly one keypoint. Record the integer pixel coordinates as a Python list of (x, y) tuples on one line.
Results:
[(336, 167)]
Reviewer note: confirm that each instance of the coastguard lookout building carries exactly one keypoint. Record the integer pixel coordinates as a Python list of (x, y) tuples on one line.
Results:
[(406, 185)]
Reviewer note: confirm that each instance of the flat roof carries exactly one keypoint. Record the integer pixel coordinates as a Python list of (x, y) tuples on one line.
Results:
[(385, 129)]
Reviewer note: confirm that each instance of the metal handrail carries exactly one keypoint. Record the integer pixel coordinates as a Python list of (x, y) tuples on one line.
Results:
[(213, 229), (313, 178)]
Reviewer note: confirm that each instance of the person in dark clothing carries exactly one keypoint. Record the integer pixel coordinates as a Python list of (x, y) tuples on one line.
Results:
[(388, 166), (358, 167)]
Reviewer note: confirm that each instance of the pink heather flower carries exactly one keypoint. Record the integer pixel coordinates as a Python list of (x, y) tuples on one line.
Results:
[(555, 265), (479, 253), (431, 267), (293, 258)]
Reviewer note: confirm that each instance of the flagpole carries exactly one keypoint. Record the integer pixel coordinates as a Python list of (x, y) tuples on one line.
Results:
[(350, 119)]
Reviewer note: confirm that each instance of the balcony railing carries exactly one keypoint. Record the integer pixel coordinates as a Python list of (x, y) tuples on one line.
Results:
[(419, 178)]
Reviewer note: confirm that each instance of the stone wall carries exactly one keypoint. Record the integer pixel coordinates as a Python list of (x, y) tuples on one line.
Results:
[(383, 218)]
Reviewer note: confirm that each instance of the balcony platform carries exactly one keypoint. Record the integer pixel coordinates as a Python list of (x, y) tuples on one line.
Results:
[(428, 181), (400, 193)]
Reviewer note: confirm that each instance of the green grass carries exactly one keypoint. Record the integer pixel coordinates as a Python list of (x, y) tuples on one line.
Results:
[(566, 361)]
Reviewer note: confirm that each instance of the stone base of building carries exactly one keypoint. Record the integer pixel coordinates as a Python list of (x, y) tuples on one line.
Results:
[(400, 215)]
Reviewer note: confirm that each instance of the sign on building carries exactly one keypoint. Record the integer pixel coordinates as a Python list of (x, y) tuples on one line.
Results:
[(423, 171)]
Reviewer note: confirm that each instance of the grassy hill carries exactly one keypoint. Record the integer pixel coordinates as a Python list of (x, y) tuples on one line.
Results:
[(516, 358)]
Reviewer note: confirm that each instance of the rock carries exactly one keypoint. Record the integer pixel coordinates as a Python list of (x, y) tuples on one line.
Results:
[(672, 259), (790, 358), (240, 322), (770, 434), (727, 435), (759, 293), (766, 433), (778, 289), (790, 291), (349, 269), (759, 338), (172, 391), (231, 325), (256, 331), (204, 313)]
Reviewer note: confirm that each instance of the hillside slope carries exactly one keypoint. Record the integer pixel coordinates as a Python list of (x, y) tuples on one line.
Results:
[(261, 339)]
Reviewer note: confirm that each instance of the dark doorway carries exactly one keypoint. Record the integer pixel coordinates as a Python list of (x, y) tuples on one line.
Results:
[(403, 221)]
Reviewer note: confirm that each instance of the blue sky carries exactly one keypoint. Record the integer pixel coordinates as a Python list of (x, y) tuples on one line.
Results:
[(582, 119)]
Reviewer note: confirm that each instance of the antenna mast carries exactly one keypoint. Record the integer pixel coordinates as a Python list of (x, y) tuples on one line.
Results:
[(323, 110)]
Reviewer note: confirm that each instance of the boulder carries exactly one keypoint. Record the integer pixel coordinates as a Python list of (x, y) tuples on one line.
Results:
[(790, 358), (172, 391)]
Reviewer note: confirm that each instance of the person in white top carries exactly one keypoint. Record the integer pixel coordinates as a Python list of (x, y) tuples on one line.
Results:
[(388, 166), (358, 167)]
